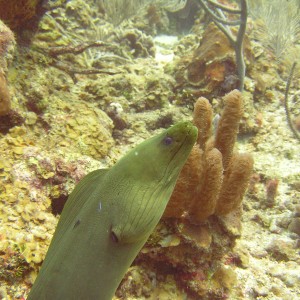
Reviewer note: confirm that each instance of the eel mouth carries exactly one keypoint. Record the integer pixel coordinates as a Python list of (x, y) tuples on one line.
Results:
[(189, 139)]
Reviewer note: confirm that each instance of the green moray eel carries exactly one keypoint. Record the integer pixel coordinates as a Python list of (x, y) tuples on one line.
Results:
[(109, 217)]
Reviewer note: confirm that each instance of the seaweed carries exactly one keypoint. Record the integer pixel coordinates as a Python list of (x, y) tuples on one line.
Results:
[(286, 103)]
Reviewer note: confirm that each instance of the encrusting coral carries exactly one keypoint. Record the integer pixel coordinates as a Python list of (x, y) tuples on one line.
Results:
[(214, 179)]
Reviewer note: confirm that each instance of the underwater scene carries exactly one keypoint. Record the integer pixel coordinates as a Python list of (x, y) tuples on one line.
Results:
[(172, 127)]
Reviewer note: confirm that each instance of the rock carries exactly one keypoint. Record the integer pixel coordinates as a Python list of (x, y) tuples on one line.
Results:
[(295, 226), (31, 118), (297, 210), (226, 276), (280, 249), (3, 293)]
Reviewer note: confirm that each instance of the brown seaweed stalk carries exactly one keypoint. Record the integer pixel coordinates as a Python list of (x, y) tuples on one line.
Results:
[(286, 102)]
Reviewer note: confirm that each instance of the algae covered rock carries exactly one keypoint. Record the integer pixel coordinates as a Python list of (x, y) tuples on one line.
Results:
[(82, 127), (7, 42)]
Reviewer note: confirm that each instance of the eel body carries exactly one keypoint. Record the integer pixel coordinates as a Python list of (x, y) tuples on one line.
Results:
[(109, 217)]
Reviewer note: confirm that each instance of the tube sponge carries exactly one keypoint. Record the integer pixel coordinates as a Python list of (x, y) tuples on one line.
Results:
[(228, 125), (214, 178)]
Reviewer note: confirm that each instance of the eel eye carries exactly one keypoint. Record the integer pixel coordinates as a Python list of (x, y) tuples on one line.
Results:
[(168, 140), (114, 237)]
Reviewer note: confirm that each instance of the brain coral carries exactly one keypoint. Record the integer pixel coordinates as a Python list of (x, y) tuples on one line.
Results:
[(79, 127)]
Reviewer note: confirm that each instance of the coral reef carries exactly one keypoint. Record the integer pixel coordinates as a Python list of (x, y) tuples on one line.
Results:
[(190, 246), (13, 264), (205, 185), (181, 260), (193, 257), (33, 183)]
